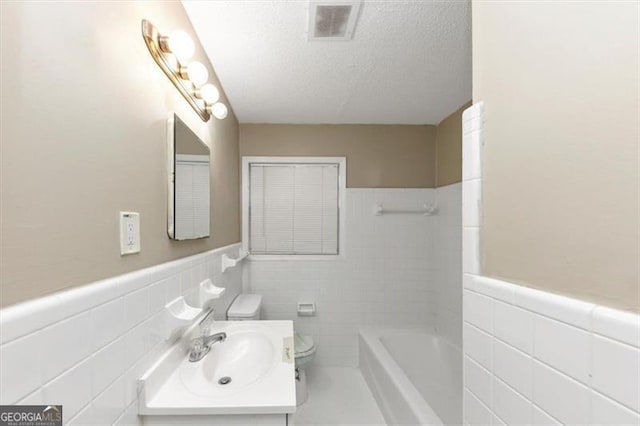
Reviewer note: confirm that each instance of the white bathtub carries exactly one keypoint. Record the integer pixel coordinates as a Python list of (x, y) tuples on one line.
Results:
[(415, 376)]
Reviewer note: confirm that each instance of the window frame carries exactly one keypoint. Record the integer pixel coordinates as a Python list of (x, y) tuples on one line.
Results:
[(341, 162)]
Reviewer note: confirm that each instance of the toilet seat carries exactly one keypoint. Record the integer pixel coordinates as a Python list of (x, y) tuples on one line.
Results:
[(303, 345)]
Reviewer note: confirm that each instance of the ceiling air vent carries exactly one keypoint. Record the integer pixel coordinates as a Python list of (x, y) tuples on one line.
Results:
[(332, 20)]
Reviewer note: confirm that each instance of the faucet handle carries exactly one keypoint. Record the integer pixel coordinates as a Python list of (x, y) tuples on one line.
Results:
[(197, 345), (198, 349)]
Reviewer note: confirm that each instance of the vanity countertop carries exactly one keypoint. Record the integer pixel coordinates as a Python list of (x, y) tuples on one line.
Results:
[(251, 372)]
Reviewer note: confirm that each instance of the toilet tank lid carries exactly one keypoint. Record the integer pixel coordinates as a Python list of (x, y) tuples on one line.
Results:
[(245, 306)]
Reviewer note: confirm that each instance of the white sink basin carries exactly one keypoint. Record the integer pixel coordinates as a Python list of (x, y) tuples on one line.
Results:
[(256, 355), (246, 357)]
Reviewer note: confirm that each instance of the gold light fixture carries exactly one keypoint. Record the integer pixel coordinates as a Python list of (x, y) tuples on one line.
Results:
[(171, 53)]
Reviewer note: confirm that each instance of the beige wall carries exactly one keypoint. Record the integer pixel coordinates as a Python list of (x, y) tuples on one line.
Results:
[(378, 156), (449, 148), (560, 86), (83, 136), (186, 143)]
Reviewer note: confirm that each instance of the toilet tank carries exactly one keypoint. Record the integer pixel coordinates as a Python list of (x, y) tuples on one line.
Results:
[(245, 307)]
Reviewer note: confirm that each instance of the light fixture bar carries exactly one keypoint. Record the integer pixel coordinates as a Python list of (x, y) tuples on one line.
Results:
[(152, 38)]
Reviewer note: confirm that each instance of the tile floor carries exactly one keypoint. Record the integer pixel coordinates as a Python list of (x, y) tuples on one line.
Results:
[(337, 396)]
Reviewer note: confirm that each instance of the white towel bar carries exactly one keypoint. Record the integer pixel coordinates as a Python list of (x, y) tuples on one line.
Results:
[(228, 262), (427, 210)]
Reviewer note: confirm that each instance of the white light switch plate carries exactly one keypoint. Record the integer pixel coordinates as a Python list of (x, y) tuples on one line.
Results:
[(129, 233)]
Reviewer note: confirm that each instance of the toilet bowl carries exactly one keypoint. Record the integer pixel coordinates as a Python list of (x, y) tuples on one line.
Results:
[(305, 350)]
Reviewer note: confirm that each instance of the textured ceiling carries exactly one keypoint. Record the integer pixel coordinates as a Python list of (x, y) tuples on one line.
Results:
[(409, 61)]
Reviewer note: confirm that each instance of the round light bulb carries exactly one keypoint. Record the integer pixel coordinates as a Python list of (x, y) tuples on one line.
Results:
[(197, 73), (219, 110), (181, 45), (209, 93)]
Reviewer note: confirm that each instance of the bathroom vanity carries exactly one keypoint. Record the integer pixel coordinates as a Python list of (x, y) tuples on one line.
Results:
[(246, 379)]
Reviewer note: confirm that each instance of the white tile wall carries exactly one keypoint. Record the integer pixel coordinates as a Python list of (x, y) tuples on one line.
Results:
[(532, 357), (513, 367), (385, 277), (509, 406), (86, 347), (569, 374), (612, 366), (478, 380), (447, 254), (474, 411)]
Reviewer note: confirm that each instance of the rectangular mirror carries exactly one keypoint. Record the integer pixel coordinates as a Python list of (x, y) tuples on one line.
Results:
[(189, 162)]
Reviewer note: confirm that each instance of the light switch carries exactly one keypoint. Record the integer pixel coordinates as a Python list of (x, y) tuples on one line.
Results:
[(129, 233)]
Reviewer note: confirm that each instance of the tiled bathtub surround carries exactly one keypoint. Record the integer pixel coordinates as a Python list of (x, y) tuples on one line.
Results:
[(532, 357), (447, 285), (86, 347), (385, 277)]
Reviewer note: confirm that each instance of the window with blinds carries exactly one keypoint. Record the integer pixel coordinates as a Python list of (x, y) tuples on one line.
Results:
[(293, 208)]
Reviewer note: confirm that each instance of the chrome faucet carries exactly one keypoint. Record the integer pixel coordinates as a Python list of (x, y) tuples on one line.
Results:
[(200, 346)]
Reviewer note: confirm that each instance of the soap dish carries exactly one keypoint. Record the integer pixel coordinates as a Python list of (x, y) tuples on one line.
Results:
[(179, 314), (209, 291)]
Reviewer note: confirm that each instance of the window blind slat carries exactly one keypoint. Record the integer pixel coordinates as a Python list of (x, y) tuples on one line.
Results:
[(307, 220), (256, 209), (184, 200), (192, 199), (330, 210), (278, 208), (201, 193)]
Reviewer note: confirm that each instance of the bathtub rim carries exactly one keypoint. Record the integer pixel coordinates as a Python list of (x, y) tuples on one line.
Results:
[(421, 407)]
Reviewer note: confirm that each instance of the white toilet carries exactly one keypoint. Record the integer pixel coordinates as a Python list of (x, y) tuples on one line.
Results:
[(247, 307), (305, 350)]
